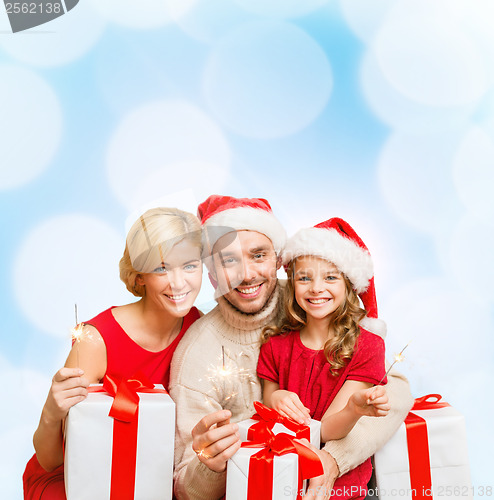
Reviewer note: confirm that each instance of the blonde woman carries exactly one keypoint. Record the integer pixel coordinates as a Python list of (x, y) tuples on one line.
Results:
[(161, 265)]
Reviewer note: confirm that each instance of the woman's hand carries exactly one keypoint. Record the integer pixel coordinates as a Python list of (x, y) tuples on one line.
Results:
[(372, 402), (68, 388), (289, 405)]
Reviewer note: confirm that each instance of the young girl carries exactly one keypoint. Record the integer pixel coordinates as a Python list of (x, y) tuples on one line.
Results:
[(324, 361), (162, 266)]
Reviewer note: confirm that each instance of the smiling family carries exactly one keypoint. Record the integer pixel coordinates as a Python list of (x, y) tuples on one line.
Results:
[(310, 348)]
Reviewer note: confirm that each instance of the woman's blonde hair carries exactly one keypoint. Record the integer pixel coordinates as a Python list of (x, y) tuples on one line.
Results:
[(339, 348), (150, 238)]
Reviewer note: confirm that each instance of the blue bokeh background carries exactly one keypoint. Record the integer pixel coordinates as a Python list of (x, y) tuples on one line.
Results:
[(379, 112)]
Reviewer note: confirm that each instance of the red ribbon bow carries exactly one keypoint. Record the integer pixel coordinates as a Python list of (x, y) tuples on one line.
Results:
[(429, 402), (418, 446), (124, 411), (260, 482), (267, 418)]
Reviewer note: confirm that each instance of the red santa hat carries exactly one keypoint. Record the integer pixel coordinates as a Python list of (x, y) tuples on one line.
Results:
[(335, 241), (220, 215)]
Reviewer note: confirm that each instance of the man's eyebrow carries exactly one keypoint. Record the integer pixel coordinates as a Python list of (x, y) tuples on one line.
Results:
[(263, 248)]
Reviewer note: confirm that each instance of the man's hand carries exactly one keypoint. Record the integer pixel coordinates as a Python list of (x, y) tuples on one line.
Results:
[(215, 440), (320, 487)]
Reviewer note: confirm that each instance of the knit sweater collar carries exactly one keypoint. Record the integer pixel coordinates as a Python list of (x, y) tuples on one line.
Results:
[(251, 325)]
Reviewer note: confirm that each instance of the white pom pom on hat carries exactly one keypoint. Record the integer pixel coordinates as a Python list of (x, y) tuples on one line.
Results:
[(335, 241)]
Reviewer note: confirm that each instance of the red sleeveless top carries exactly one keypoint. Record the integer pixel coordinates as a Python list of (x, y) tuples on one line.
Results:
[(124, 358)]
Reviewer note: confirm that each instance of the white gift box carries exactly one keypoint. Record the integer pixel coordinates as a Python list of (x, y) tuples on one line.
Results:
[(314, 428), (285, 476), (447, 453), (89, 443), (285, 467)]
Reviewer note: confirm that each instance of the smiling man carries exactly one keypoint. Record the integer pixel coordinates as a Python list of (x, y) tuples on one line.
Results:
[(213, 374), (247, 266)]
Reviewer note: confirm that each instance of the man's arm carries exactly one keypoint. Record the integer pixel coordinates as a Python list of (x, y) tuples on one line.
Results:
[(202, 423), (370, 434)]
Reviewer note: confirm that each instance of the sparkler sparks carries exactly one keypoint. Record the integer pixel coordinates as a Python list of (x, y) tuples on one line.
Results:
[(226, 376), (398, 358), (222, 370), (76, 334), (80, 332)]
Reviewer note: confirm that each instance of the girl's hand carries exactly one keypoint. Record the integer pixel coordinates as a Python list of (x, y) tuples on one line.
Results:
[(68, 388), (372, 402), (289, 405)]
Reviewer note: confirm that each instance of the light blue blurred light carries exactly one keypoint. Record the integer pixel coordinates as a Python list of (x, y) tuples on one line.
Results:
[(267, 80), (311, 148), (281, 8)]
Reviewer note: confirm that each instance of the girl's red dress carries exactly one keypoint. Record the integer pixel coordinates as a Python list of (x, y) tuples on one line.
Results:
[(285, 360), (124, 359)]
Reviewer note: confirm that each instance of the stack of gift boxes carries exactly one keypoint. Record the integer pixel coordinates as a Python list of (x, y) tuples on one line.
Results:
[(119, 445)]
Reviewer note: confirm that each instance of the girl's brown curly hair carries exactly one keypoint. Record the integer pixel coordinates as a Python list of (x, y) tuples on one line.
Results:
[(339, 348)]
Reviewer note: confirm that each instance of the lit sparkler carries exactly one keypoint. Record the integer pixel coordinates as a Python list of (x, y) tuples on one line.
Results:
[(398, 359), (76, 334), (225, 377), (222, 370)]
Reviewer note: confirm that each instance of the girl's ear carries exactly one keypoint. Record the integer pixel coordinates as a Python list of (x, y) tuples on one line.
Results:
[(139, 280)]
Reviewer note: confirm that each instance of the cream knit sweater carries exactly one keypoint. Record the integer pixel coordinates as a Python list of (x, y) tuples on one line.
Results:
[(198, 390)]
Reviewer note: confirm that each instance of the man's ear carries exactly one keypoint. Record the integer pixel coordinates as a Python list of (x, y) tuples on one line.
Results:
[(213, 281), (278, 262)]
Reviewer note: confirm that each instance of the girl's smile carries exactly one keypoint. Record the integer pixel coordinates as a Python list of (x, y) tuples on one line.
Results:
[(317, 301)]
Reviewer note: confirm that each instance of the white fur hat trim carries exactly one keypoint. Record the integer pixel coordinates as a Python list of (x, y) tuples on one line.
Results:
[(328, 244), (375, 326), (249, 219)]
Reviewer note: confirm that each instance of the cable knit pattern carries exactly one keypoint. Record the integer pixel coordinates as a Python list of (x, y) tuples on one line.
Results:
[(197, 393)]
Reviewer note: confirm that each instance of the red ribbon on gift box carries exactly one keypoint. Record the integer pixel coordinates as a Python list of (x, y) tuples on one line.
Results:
[(260, 481), (267, 418), (418, 446), (125, 412)]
